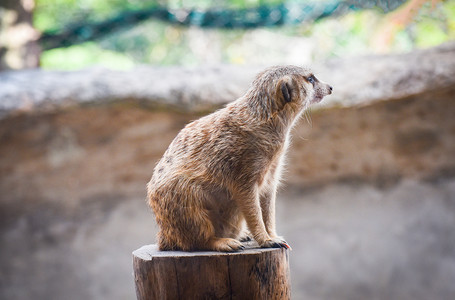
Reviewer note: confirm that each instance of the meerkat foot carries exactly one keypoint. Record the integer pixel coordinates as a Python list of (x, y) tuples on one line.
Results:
[(276, 243), (245, 238), (226, 245)]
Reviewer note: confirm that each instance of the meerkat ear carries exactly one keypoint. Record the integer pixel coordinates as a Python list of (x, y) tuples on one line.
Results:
[(286, 91)]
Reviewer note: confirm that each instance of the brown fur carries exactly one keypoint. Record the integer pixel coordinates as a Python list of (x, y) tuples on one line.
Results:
[(224, 168)]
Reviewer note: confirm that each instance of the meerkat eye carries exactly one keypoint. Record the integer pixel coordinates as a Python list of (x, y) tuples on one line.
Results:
[(311, 79)]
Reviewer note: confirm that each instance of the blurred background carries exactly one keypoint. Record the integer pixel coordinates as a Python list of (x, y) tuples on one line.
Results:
[(93, 92)]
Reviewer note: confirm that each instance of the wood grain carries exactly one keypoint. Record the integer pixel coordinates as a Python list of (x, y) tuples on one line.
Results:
[(255, 273)]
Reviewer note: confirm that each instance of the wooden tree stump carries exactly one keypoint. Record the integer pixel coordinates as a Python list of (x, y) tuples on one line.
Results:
[(255, 273)]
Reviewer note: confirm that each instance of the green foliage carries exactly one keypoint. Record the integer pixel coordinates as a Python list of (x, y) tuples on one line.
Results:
[(450, 10), (429, 34), (435, 27), (52, 14), (158, 43), (85, 55)]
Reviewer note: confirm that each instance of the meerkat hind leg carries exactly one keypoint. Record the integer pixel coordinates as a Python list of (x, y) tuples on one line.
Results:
[(226, 220)]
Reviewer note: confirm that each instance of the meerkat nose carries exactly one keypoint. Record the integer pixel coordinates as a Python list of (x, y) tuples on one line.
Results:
[(330, 89)]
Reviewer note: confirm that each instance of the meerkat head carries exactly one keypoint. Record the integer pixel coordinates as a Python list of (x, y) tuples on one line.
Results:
[(289, 89), (298, 88)]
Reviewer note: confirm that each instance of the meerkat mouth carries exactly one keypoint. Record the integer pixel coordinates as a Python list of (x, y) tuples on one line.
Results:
[(317, 99)]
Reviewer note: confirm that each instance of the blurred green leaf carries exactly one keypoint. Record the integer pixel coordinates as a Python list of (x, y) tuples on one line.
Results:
[(429, 34), (85, 55)]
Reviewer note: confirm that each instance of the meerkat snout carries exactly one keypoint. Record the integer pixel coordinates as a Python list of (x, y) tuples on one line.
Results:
[(321, 89), (222, 171)]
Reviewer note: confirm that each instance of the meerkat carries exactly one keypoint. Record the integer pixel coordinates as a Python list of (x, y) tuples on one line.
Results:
[(224, 169)]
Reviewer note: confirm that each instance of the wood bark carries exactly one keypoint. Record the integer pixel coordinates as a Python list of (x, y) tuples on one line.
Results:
[(250, 274)]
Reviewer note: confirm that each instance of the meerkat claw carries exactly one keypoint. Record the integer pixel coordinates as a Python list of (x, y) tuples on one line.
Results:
[(246, 238), (286, 245), (278, 243), (283, 245)]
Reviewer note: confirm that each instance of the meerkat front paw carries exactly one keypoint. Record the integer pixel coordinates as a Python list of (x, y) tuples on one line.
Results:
[(276, 242)]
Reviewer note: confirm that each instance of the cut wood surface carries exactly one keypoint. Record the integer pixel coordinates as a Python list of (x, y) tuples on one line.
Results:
[(255, 273)]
